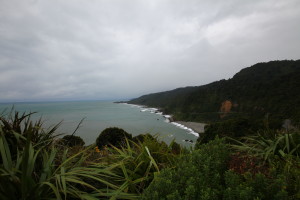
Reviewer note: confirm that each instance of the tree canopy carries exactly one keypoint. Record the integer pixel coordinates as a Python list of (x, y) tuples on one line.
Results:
[(112, 136), (265, 88)]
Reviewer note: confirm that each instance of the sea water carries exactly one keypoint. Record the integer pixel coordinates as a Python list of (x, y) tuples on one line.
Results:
[(98, 115)]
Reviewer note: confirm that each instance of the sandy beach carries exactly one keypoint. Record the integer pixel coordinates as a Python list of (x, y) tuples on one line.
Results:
[(196, 126)]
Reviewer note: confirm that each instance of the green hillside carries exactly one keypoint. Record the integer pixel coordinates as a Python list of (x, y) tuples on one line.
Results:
[(271, 88)]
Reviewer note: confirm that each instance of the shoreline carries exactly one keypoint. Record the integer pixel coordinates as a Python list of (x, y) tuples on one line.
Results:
[(194, 128)]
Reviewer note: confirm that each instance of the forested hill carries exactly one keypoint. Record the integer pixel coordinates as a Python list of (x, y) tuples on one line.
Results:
[(271, 88)]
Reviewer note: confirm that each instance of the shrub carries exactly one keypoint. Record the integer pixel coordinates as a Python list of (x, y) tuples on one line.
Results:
[(230, 128), (278, 149), (242, 163), (289, 168), (198, 175), (175, 147), (112, 136), (72, 140), (203, 174), (258, 186)]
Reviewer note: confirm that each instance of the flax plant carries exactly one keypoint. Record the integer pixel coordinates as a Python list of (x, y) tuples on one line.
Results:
[(138, 162), (21, 123), (271, 143), (37, 173)]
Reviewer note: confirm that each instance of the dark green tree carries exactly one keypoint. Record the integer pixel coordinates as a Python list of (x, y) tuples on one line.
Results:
[(112, 136), (72, 140)]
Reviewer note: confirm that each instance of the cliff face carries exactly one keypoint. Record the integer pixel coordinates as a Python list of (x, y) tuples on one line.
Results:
[(225, 108), (254, 91)]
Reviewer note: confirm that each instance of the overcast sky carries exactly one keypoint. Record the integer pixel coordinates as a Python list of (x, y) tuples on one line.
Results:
[(119, 49)]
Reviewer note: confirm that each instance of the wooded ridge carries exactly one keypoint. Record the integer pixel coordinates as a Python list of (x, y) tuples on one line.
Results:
[(270, 88)]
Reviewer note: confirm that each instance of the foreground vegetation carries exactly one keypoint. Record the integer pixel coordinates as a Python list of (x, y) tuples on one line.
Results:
[(36, 163)]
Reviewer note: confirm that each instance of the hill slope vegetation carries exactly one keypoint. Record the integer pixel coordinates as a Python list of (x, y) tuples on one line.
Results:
[(270, 88)]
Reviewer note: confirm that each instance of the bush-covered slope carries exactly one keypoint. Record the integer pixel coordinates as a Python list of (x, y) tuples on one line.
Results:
[(271, 87)]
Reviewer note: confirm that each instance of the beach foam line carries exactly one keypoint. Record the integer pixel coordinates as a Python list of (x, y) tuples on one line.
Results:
[(134, 106), (167, 118), (190, 131), (151, 110)]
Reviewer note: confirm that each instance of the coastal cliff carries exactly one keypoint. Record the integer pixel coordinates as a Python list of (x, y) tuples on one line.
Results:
[(264, 88)]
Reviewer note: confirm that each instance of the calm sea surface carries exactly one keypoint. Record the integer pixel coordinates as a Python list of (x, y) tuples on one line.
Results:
[(99, 115)]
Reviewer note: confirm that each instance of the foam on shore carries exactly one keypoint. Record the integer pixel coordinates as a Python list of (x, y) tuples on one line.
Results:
[(167, 118), (190, 131)]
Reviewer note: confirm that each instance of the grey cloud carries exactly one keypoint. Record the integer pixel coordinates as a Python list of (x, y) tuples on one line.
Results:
[(120, 49)]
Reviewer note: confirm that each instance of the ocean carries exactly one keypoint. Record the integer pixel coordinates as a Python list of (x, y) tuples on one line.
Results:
[(99, 115)]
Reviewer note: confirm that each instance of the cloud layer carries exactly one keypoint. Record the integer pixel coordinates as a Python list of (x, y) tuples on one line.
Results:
[(112, 49)]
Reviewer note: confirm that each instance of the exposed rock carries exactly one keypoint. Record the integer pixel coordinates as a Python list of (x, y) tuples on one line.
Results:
[(225, 108)]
